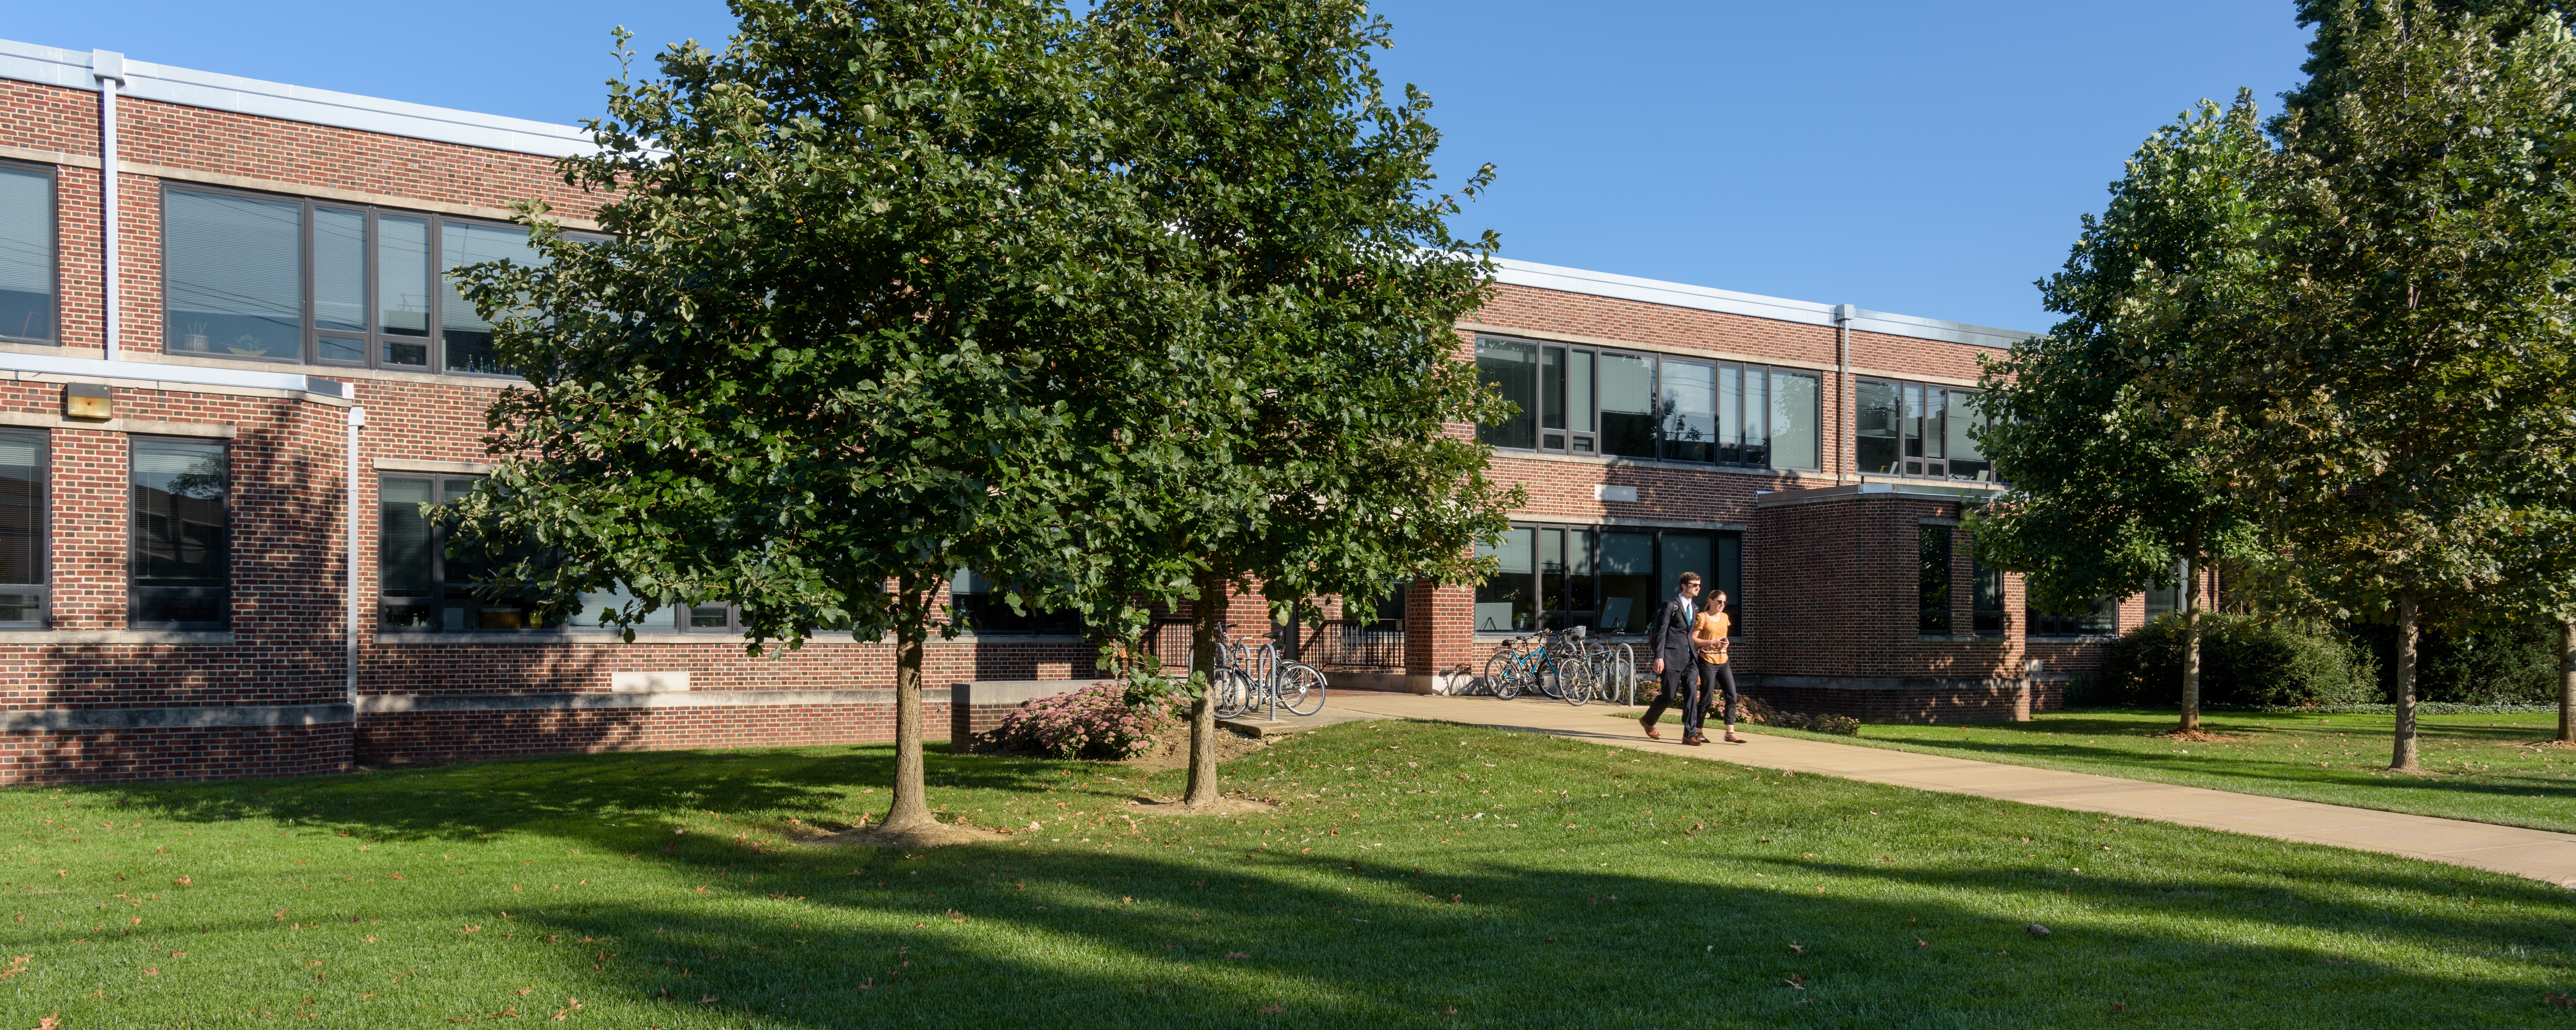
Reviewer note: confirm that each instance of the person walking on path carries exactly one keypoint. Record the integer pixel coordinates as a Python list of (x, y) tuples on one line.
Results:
[(1708, 634), (1670, 642)]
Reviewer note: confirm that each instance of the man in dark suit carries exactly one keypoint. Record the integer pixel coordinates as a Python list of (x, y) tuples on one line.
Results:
[(1669, 640)]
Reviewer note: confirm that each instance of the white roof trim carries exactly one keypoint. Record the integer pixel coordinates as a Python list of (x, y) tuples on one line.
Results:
[(28, 62), (1654, 291)]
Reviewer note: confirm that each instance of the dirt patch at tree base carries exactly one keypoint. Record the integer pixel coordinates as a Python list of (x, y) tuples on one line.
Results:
[(1172, 750), (932, 836), (1220, 806), (2198, 737)]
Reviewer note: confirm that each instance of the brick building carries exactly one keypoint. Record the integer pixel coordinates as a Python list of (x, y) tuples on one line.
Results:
[(212, 561)]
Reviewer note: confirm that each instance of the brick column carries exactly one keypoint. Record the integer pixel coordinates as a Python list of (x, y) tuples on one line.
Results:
[(1439, 632)]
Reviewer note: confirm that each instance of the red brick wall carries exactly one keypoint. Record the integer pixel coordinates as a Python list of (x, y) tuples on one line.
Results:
[(413, 738), (99, 756)]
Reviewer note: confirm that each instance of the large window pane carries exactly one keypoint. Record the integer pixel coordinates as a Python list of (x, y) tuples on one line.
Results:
[(984, 607), (1627, 406), (403, 538), (181, 563), (1966, 460), (22, 529), (1628, 589), (1794, 443), (1509, 601), (1578, 392), (1685, 552), (1757, 418), (26, 254), (1512, 370), (1551, 391), (1874, 426), (1989, 602), (2102, 619), (340, 270), (402, 288), (236, 275), (1730, 578), (1730, 414), (1690, 410), (1932, 581), (467, 336)]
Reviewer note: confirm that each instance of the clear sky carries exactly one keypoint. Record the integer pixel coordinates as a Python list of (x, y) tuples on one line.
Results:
[(1927, 159)]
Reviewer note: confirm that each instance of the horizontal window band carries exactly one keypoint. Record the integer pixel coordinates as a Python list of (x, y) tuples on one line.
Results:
[(234, 717), (97, 637)]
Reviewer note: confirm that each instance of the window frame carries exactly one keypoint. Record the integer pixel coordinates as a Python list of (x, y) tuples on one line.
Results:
[(1566, 440), (1905, 390), (374, 339), (2038, 625), (1036, 629), (53, 233), (1726, 572), (43, 587), (135, 590), (672, 619), (1933, 581)]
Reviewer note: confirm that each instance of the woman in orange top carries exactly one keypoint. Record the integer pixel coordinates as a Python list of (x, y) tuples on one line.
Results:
[(1708, 634)]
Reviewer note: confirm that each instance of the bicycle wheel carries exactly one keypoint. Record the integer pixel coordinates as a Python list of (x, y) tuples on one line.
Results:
[(1501, 676), (1575, 683), (1232, 691), (1543, 670), (1301, 688)]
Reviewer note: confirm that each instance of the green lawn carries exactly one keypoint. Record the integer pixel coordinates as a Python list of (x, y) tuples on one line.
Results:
[(659, 889), (2478, 767)]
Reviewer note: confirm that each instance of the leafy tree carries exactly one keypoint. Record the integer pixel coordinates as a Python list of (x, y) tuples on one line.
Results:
[(2110, 487), (2398, 403), (1313, 445), (814, 360)]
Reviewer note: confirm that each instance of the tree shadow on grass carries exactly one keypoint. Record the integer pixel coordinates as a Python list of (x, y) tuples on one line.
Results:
[(1021, 933)]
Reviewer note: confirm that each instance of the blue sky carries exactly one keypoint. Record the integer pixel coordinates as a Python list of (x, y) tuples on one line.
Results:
[(1928, 159)]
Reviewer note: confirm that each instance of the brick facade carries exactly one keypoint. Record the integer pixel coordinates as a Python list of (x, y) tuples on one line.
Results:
[(91, 698)]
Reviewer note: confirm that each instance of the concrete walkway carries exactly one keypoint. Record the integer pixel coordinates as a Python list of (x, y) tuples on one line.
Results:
[(2537, 854)]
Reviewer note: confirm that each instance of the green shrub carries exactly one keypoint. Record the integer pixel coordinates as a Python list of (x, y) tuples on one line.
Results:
[(2512, 664), (2244, 660)]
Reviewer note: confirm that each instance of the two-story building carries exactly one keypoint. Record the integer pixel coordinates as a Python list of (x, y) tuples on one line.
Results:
[(232, 369)]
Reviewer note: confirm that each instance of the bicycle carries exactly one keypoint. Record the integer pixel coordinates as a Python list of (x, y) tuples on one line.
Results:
[(1250, 675), (1557, 667)]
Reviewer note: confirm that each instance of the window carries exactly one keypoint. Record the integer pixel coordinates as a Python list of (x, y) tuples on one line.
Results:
[(1987, 614), (1909, 429), (421, 588), (279, 279), (1579, 400), (27, 271), (22, 530), (2103, 620), (1608, 579), (2165, 599), (181, 567), (1932, 582), (980, 605)]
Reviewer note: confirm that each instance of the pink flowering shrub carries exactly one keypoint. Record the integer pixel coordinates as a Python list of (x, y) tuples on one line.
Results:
[(1095, 722)]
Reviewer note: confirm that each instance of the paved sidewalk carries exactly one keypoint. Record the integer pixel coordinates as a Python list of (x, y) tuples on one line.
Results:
[(2537, 854)]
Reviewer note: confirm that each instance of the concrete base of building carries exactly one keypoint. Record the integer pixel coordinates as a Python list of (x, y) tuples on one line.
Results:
[(1908, 699), (1398, 682)]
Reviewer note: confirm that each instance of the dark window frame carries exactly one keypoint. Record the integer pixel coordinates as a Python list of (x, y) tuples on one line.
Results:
[(1726, 572), (673, 619), (1042, 622), (1562, 438), (43, 530), (136, 593), (374, 339), (1932, 581), (2102, 621), (54, 234), (1911, 463)]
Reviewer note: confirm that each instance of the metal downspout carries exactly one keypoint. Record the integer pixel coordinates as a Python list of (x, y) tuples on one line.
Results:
[(1843, 315), (357, 421), (108, 67)]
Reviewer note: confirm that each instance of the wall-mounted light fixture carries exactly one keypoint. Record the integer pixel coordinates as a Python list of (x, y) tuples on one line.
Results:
[(88, 400)]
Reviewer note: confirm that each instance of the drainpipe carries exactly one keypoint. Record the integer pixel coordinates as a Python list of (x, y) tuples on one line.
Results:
[(1843, 315), (357, 421), (108, 67)]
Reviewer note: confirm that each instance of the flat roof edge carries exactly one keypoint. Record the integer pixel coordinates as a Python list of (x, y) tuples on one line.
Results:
[(27, 62), (1532, 274)]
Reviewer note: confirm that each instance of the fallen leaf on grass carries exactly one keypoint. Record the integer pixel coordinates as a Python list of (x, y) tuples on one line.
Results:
[(17, 965), (1800, 949), (1269, 1010), (2037, 930)]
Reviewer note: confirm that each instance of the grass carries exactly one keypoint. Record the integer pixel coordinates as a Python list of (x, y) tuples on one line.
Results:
[(1599, 888), (2477, 767)]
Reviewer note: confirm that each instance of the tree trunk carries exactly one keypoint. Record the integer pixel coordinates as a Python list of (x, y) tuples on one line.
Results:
[(910, 809), (1207, 621), (2190, 646), (2404, 759), (2566, 680)]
